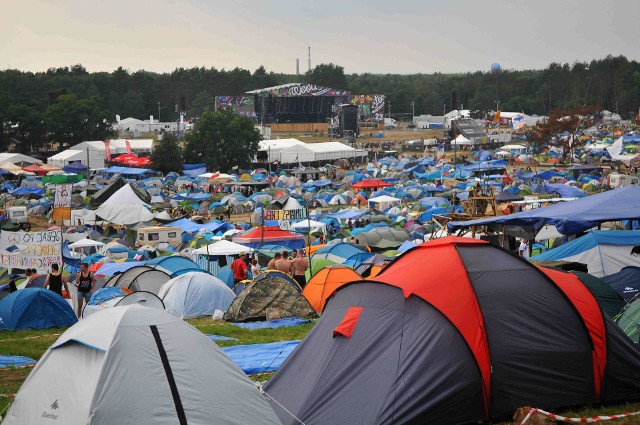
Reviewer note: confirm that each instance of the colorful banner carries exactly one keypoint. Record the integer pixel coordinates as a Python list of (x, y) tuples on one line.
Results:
[(62, 197), (281, 215), (36, 250), (107, 150)]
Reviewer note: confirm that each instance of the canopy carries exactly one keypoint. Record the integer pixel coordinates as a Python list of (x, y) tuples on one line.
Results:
[(371, 184), (85, 243), (222, 248), (570, 217)]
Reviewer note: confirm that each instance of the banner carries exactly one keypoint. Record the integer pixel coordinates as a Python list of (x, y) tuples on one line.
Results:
[(63, 196), (128, 147), (107, 150), (281, 215), (36, 250)]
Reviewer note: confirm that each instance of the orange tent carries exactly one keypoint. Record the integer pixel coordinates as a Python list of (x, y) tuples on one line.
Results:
[(324, 283)]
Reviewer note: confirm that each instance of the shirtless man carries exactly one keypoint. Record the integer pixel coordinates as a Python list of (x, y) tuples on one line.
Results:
[(299, 266), (271, 265), (283, 264)]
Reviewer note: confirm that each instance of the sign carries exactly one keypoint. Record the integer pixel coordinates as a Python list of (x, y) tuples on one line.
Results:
[(281, 215), (63, 196), (36, 250)]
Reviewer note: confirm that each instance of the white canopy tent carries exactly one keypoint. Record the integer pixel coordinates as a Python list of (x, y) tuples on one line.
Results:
[(313, 225), (461, 140), (86, 243), (384, 201), (222, 247)]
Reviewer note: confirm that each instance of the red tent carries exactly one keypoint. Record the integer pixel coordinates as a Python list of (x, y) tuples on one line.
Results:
[(33, 168), (371, 184)]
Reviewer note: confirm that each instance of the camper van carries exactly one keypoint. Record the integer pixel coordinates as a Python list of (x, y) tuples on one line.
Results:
[(155, 234), (618, 180)]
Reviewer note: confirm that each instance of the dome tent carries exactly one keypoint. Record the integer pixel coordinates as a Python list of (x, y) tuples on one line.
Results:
[(460, 336), (195, 294), (271, 295), (326, 282), (35, 308), (118, 297), (137, 365)]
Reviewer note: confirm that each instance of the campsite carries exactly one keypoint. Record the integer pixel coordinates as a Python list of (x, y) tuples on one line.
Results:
[(422, 235)]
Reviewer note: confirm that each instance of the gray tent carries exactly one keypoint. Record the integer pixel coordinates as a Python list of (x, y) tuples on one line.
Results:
[(141, 278), (137, 365), (383, 237)]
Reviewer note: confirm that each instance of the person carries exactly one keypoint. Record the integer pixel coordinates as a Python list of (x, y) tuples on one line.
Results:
[(239, 268), (284, 264), (271, 265), (34, 279), (299, 266), (55, 281), (85, 282), (523, 249), (255, 269)]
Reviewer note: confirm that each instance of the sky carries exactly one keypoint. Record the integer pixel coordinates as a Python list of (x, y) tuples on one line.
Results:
[(404, 37)]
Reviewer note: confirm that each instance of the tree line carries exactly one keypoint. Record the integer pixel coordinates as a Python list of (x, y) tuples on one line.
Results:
[(63, 106)]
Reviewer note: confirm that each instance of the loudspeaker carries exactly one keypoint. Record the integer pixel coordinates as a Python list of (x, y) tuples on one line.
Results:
[(350, 118), (454, 100)]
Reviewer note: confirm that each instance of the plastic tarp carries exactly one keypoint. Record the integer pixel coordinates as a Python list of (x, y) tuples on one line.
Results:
[(187, 225), (126, 171), (570, 217), (260, 358), (15, 361)]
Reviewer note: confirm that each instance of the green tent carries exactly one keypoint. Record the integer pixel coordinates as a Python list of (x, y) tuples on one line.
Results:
[(62, 178), (629, 321), (610, 302)]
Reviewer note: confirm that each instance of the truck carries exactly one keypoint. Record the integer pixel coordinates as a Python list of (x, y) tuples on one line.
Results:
[(390, 123)]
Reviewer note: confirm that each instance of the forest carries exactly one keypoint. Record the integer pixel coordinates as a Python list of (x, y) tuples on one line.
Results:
[(68, 105)]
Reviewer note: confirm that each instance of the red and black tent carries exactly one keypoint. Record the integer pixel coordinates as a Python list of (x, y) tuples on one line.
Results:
[(456, 331)]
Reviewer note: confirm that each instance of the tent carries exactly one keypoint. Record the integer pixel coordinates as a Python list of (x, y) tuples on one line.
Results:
[(569, 218), (137, 365), (269, 235), (371, 184), (383, 237), (626, 283), (106, 192), (610, 302), (603, 251), (119, 297), (629, 321), (341, 253), (86, 243), (222, 247), (324, 283), (35, 308), (174, 265), (125, 207), (140, 278), (455, 331), (270, 295), (195, 294)]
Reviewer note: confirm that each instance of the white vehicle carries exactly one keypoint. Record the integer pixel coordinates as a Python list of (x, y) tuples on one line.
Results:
[(19, 216), (618, 180), (153, 235), (390, 123)]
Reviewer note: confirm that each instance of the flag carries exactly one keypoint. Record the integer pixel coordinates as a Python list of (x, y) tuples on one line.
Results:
[(496, 118), (571, 141), (107, 150), (615, 149), (518, 122), (128, 147)]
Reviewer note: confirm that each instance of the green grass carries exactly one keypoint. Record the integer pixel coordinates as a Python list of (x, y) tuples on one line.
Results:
[(23, 343)]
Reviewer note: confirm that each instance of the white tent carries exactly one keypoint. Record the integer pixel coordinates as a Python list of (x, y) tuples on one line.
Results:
[(384, 201), (124, 207), (461, 140), (137, 365), (310, 224), (14, 158), (222, 247), (196, 294), (86, 243), (68, 156), (518, 148)]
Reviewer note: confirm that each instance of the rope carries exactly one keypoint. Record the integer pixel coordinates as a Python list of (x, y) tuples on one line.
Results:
[(274, 359), (591, 420), (283, 408)]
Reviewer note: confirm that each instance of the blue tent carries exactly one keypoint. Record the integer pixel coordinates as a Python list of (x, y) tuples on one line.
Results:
[(35, 308), (626, 283), (74, 167), (569, 217), (173, 265)]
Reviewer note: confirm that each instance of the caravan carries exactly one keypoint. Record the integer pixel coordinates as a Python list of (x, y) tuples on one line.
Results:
[(618, 180), (153, 235)]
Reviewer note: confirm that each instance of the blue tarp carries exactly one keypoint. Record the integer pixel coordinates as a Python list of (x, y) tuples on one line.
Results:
[(191, 196), (13, 361), (192, 166), (37, 191), (571, 217), (272, 324), (220, 338), (564, 190), (187, 225), (129, 171), (259, 358), (109, 269), (194, 172)]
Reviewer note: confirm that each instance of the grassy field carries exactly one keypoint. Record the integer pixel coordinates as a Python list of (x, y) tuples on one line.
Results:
[(34, 343)]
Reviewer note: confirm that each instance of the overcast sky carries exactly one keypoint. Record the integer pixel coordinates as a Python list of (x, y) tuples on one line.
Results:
[(363, 36)]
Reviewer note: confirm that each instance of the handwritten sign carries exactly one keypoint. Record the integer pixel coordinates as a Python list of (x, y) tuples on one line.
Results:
[(281, 215), (36, 250)]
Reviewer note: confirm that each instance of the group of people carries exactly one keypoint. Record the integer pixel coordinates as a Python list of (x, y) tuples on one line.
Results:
[(296, 265)]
